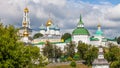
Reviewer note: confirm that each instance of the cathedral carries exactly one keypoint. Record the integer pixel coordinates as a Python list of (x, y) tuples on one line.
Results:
[(81, 34), (51, 32)]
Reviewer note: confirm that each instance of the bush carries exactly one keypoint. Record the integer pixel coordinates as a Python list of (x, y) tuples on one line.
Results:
[(73, 64), (69, 59)]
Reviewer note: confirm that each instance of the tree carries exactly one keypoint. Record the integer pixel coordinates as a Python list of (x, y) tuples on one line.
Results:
[(118, 40), (76, 57), (70, 49), (113, 56), (14, 54), (66, 36), (48, 50), (58, 52), (90, 55), (73, 64), (82, 49), (52, 51), (37, 35)]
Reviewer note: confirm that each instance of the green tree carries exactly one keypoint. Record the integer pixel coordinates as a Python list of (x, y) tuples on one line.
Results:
[(52, 51), (73, 64), (14, 54), (76, 57), (57, 52), (66, 36), (118, 40), (48, 50), (70, 49), (90, 55), (113, 56), (37, 35), (82, 49)]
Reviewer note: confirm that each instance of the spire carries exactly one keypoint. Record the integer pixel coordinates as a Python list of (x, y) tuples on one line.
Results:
[(49, 22), (26, 20), (80, 23)]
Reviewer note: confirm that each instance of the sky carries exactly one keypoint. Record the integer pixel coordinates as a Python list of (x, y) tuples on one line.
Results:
[(65, 13)]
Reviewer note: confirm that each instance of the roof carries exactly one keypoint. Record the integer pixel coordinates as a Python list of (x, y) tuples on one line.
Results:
[(111, 39), (68, 40), (94, 39), (99, 32), (52, 27), (100, 62), (42, 27), (80, 31), (57, 28)]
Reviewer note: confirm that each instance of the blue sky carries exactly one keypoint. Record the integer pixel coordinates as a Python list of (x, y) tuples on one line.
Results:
[(65, 13), (114, 2)]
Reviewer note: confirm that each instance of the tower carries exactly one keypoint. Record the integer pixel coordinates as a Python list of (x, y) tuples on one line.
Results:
[(80, 33), (26, 20), (25, 37), (100, 62), (25, 23)]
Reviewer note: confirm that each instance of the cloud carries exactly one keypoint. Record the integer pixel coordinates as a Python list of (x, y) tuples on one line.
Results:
[(65, 13)]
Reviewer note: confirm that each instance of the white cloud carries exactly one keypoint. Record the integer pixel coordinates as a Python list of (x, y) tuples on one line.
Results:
[(64, 13)]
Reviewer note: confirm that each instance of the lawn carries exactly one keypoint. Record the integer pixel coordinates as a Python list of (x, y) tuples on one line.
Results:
[(66, 66)]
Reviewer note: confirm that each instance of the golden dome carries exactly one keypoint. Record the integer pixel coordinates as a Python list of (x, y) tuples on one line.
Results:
[(49, 22), (98, 25), (24, 23), (26, 10), (25, 33)]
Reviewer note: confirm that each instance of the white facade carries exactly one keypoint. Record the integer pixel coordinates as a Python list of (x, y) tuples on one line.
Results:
[(42, 32), (52, 32), (82, 38), (100, 66)]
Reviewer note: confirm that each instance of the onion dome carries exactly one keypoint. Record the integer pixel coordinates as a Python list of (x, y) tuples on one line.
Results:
[(99, 32), (26, 10), (42, 27), (24, 24), (25, 33), (49, 22), (98, 25), (52, 27), (57, 28)]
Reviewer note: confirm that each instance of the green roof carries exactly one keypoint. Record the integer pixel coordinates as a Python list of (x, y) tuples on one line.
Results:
[(111, 39), (68, 40), (80, 31), (94, 39), (99, 32)]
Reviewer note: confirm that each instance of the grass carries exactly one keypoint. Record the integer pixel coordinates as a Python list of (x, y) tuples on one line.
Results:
[(67, 66)]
